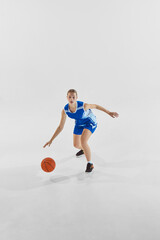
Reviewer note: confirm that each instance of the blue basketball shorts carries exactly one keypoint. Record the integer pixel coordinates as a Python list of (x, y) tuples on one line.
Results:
[(79, 129)]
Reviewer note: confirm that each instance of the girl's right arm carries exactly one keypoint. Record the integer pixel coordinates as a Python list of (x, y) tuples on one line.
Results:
[(59, 128)]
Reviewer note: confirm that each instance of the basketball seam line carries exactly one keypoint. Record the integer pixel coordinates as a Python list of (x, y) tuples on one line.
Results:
[(49, 164), (46, 167)]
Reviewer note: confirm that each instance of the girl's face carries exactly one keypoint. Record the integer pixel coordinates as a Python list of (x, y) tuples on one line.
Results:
[(72, 98)]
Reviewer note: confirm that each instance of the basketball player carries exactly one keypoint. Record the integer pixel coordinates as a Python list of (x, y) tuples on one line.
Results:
[(85, 124)]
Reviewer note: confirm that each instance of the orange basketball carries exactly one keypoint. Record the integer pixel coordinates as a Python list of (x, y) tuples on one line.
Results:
[(48, 164)]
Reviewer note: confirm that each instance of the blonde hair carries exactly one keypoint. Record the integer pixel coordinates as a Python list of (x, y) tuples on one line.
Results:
[(72, 91)]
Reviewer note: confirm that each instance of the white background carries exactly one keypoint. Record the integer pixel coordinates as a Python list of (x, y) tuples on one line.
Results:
[(109, 52)]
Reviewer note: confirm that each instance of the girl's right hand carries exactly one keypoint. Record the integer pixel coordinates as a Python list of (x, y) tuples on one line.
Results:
[(48, 143)]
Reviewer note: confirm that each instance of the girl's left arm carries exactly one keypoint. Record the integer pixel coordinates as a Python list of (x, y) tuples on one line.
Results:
[(91, 106)]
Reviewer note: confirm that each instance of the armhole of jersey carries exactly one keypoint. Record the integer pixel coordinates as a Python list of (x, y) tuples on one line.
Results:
[(83, 106), (64, 110)]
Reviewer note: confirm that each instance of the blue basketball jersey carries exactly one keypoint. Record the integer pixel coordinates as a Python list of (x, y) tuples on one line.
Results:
[(81, 116)]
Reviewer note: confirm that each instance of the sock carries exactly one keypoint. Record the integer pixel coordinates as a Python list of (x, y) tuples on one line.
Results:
[(90, 162)]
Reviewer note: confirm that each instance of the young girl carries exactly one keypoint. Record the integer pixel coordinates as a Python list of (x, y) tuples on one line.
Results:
[(85, 124)]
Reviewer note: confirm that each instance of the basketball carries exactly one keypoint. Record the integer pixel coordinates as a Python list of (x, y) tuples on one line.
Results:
[(48, 164)]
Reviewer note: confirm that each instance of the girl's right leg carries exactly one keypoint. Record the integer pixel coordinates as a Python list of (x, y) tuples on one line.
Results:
[(77, 141)]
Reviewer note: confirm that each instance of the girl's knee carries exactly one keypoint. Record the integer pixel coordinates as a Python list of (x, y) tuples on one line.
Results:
[(83, 143), (76, 145)]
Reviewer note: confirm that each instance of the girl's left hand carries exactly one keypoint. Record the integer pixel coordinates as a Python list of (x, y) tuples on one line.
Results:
[(114, 114)]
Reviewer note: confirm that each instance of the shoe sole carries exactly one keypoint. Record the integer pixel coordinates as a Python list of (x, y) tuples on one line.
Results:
[(80, 155)]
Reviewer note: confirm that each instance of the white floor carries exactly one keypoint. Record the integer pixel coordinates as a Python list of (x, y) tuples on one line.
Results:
[(109, 52), (117, 201)]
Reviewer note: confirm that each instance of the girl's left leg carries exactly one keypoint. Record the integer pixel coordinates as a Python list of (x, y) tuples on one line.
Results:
[(84, 139)]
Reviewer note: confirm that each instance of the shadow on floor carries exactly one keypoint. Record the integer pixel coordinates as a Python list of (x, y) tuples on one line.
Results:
[(30, 177)]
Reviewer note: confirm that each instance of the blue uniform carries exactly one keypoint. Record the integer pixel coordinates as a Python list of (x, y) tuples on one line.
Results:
[(83, 118)]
